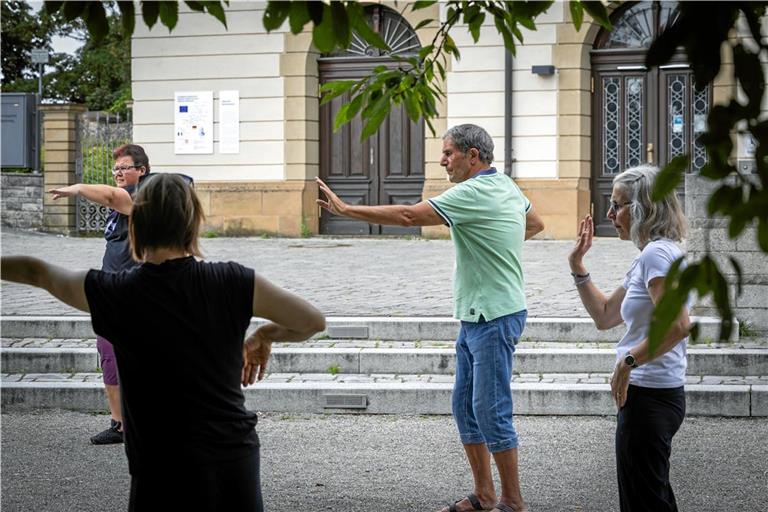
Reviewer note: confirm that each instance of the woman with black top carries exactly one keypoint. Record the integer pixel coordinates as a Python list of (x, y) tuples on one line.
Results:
[(190, 332), (130, 165)]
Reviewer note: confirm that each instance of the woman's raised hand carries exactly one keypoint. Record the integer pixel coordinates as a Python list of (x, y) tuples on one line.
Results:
[(583, 243)]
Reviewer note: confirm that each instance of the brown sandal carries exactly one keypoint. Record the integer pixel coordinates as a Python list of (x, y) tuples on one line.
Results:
[(476, 505)]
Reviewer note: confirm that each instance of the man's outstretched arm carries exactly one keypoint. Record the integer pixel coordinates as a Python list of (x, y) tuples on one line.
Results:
[(421, 214), (66, 285)]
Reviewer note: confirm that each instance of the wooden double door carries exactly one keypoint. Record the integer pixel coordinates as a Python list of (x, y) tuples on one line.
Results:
[(642, 116), (386, 168)]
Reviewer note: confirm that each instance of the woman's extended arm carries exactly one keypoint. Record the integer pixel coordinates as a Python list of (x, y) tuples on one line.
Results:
[(66, 285), (605, 311), (106, 195), (291, 319)]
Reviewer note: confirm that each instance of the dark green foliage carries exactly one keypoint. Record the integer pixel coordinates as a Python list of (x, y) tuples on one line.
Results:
[(738, 198)]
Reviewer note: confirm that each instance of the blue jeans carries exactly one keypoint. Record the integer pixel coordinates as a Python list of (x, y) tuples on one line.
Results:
[(482, 397)]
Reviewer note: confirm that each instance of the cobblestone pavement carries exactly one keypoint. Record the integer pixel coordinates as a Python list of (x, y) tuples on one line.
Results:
[(392, 378), (345, 276), (63, 343)]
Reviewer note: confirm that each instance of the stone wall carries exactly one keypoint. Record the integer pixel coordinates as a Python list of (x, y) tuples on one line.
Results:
[(22, 200), (751, 307)]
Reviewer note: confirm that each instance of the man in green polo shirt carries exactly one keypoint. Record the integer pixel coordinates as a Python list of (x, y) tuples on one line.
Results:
[(489, 218)]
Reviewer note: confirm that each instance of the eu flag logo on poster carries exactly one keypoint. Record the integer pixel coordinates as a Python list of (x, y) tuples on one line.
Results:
[(183, 108)]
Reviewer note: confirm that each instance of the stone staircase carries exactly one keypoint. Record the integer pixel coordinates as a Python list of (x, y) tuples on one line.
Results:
[(394, 365)]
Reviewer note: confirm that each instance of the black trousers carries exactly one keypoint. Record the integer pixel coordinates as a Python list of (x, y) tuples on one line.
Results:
[(225, 486), (644, 431)]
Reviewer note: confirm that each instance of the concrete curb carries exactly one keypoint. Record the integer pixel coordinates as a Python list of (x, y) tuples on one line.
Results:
[(405, 398), (569, 330), (416, 361)]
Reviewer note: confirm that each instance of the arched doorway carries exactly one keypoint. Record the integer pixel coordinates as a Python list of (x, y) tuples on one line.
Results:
[(386, 168), (640, 115)]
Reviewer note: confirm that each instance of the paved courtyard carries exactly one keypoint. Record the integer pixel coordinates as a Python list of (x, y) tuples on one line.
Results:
[(346, 276)]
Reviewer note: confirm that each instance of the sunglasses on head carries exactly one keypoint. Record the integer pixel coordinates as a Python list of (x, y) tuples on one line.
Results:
[(187, 179)]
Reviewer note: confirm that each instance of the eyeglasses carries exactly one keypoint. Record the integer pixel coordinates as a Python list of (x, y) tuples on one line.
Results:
[(119, 170), (615, 207)]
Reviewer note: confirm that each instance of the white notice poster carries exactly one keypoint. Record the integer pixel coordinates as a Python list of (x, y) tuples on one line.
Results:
[(229, 121), (193, 122)]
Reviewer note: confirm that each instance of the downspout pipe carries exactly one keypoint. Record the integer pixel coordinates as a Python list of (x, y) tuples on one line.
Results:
[(508, 153)]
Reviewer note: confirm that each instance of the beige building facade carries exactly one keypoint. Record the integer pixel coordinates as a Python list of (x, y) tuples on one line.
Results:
[(552, 130)]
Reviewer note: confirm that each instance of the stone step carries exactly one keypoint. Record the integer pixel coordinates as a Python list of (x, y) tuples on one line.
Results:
[(567, 330), (559, 394), (77, 356)]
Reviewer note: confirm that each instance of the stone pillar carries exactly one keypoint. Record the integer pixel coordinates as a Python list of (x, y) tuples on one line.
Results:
[(60, 136), (751, 307)]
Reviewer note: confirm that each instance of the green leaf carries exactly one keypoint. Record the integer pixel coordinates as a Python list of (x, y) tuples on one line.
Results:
[(509, 41), (450, 47), (693, 333), (762, 234), (335, 88), (127, 16), (298, 16), (426, 51), (217, 11), (52, 6), (360, 24), (719, 287), (668, 178), (340, 22), (96, 21), (737, 268), (169, 14), (74, 10), (412, 108), (577, 13), (664, 314), (724, 199), (150, 12), (665, 44), (738, 222), (195, 6), (348, 111), (599, 13), (423, 23), (275, 14), (714, 172), (474, 27), (323, 35), (749, 72), (422, 4), (376, 114), (440, 70)]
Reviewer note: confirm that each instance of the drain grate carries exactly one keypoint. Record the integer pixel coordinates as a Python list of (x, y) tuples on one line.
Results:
[(347, 401)]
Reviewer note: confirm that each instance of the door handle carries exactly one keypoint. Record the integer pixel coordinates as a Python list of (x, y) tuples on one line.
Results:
[(649, 152), (371, 151)]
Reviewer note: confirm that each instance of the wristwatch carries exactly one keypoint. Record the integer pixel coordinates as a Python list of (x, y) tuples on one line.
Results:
[(629, 360)]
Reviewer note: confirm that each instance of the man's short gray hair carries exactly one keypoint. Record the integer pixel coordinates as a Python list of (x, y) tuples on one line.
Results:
[(465, 136), (650, 220)]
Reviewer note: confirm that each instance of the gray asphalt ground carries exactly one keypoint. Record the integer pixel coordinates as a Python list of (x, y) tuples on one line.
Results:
[(386, 463)]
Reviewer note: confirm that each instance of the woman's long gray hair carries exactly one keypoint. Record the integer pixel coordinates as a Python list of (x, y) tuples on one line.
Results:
[(650, 220)]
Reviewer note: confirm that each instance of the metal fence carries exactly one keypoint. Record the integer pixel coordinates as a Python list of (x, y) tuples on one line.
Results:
[(98, 134)]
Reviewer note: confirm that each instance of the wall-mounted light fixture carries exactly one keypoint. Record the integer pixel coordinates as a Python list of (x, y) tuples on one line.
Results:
[(543, 70)]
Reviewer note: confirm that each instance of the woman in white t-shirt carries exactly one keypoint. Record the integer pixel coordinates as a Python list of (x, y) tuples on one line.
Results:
[(646, 387)]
